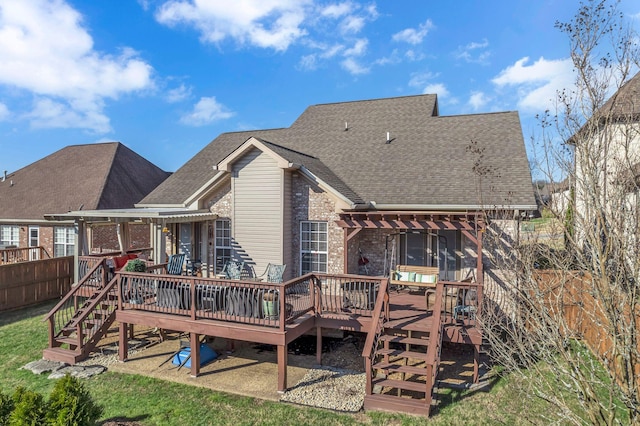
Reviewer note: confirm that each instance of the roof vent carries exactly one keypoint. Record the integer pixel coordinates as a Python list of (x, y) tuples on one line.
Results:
[(346, 126), (388, 137), (5, 176)]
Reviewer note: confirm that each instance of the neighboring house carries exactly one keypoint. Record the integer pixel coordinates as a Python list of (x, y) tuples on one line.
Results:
[(607, 163), (348, 181), (559, 197), (78, 177)]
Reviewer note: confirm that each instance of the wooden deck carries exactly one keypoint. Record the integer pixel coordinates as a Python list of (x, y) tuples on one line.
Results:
[(237, 310)]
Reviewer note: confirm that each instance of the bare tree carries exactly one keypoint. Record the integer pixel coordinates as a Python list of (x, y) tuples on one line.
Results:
[(569, 320)]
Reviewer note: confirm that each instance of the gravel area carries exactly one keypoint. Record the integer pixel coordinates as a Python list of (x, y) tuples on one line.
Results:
[(331, 388), (107, 355)]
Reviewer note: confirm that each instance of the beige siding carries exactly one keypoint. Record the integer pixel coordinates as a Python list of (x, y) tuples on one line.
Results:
[(257, 210), (287, 240)]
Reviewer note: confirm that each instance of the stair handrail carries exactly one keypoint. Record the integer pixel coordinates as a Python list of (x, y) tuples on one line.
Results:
[(74, 289), (88, 310), (435, 344), (378, 317), (67, 303)]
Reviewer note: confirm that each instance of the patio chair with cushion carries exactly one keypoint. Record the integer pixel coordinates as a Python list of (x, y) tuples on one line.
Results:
[(233, 269), (273, 273)]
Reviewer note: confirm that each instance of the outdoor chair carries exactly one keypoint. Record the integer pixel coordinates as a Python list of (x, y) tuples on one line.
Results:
[(273, 273), (233, 269), (174, 267)]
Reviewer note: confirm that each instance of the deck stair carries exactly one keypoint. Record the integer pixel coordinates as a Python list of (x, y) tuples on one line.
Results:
[(402, 364), (77, 323)]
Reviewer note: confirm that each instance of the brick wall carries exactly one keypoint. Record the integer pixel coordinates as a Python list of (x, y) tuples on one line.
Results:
[(309, 202), (105, 237)]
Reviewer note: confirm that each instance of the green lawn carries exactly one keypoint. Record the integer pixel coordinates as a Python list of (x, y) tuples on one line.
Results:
[(155, 402)]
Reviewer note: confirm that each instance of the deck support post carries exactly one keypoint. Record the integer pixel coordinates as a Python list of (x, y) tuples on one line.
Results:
[(319, 345), (282, 368), (131, 331), (123, 346), (476, 363), (195, 354)]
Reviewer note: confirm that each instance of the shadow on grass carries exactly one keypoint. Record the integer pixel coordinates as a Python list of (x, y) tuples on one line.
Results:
[(122, 421), (448, 396), (9, 317)]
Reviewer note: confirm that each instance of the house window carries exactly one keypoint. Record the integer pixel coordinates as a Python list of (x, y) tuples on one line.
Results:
[(223, 243), (9, 235), (313, 247), (63, 241)]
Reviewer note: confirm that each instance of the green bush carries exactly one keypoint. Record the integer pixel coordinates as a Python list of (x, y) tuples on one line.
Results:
[(70, 404), (6, 407), (135, 265), (29, 410)]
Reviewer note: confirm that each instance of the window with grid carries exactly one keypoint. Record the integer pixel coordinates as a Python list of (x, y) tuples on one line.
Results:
[(313, 247), (223, 243), (63, 241), (9, 235)]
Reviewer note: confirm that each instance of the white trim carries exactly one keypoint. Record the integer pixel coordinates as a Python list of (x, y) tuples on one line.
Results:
[(326, 252)]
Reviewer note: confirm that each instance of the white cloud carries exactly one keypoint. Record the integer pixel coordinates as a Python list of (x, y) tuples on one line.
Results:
[(47, 52), (337, 10), (474, 52), (412, 35), (206, 111), (355, 68), (421, 79), (537, 83), (4, 112), (359, 48), (308, 62), (478, 100), (437, 88), (274, 24), (352, 25), (178, 94)]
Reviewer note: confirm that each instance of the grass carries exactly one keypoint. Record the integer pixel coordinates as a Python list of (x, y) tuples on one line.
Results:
[(150, 401)]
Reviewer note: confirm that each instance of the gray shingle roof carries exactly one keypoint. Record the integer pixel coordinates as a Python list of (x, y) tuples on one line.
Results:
[(427, 161), (625, 102), (94, 176)]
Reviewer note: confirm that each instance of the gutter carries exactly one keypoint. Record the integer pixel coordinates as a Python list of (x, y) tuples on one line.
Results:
[(427, 207)]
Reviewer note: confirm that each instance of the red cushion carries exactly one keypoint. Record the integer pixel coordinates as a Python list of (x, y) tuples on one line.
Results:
[(120, 261), (132, 256)]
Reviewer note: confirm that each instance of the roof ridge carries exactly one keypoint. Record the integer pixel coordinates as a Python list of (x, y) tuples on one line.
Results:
[(108, 174), (376, 99), (476, 113)]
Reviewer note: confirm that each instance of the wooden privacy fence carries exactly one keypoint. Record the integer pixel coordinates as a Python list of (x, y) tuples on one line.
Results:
[(571, 292), (27, 283), (24, 254)]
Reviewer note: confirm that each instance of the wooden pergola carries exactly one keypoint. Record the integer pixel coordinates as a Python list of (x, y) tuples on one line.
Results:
[(470, 224)]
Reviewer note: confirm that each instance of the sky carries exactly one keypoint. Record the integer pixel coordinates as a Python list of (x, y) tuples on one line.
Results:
[(166, 77)]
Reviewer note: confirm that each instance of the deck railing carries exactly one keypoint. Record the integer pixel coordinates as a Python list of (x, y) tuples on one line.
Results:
[(461, 302), (23, 254), (350, 294), (247, 301), (432, 361), (379, 315), (61, 314)]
